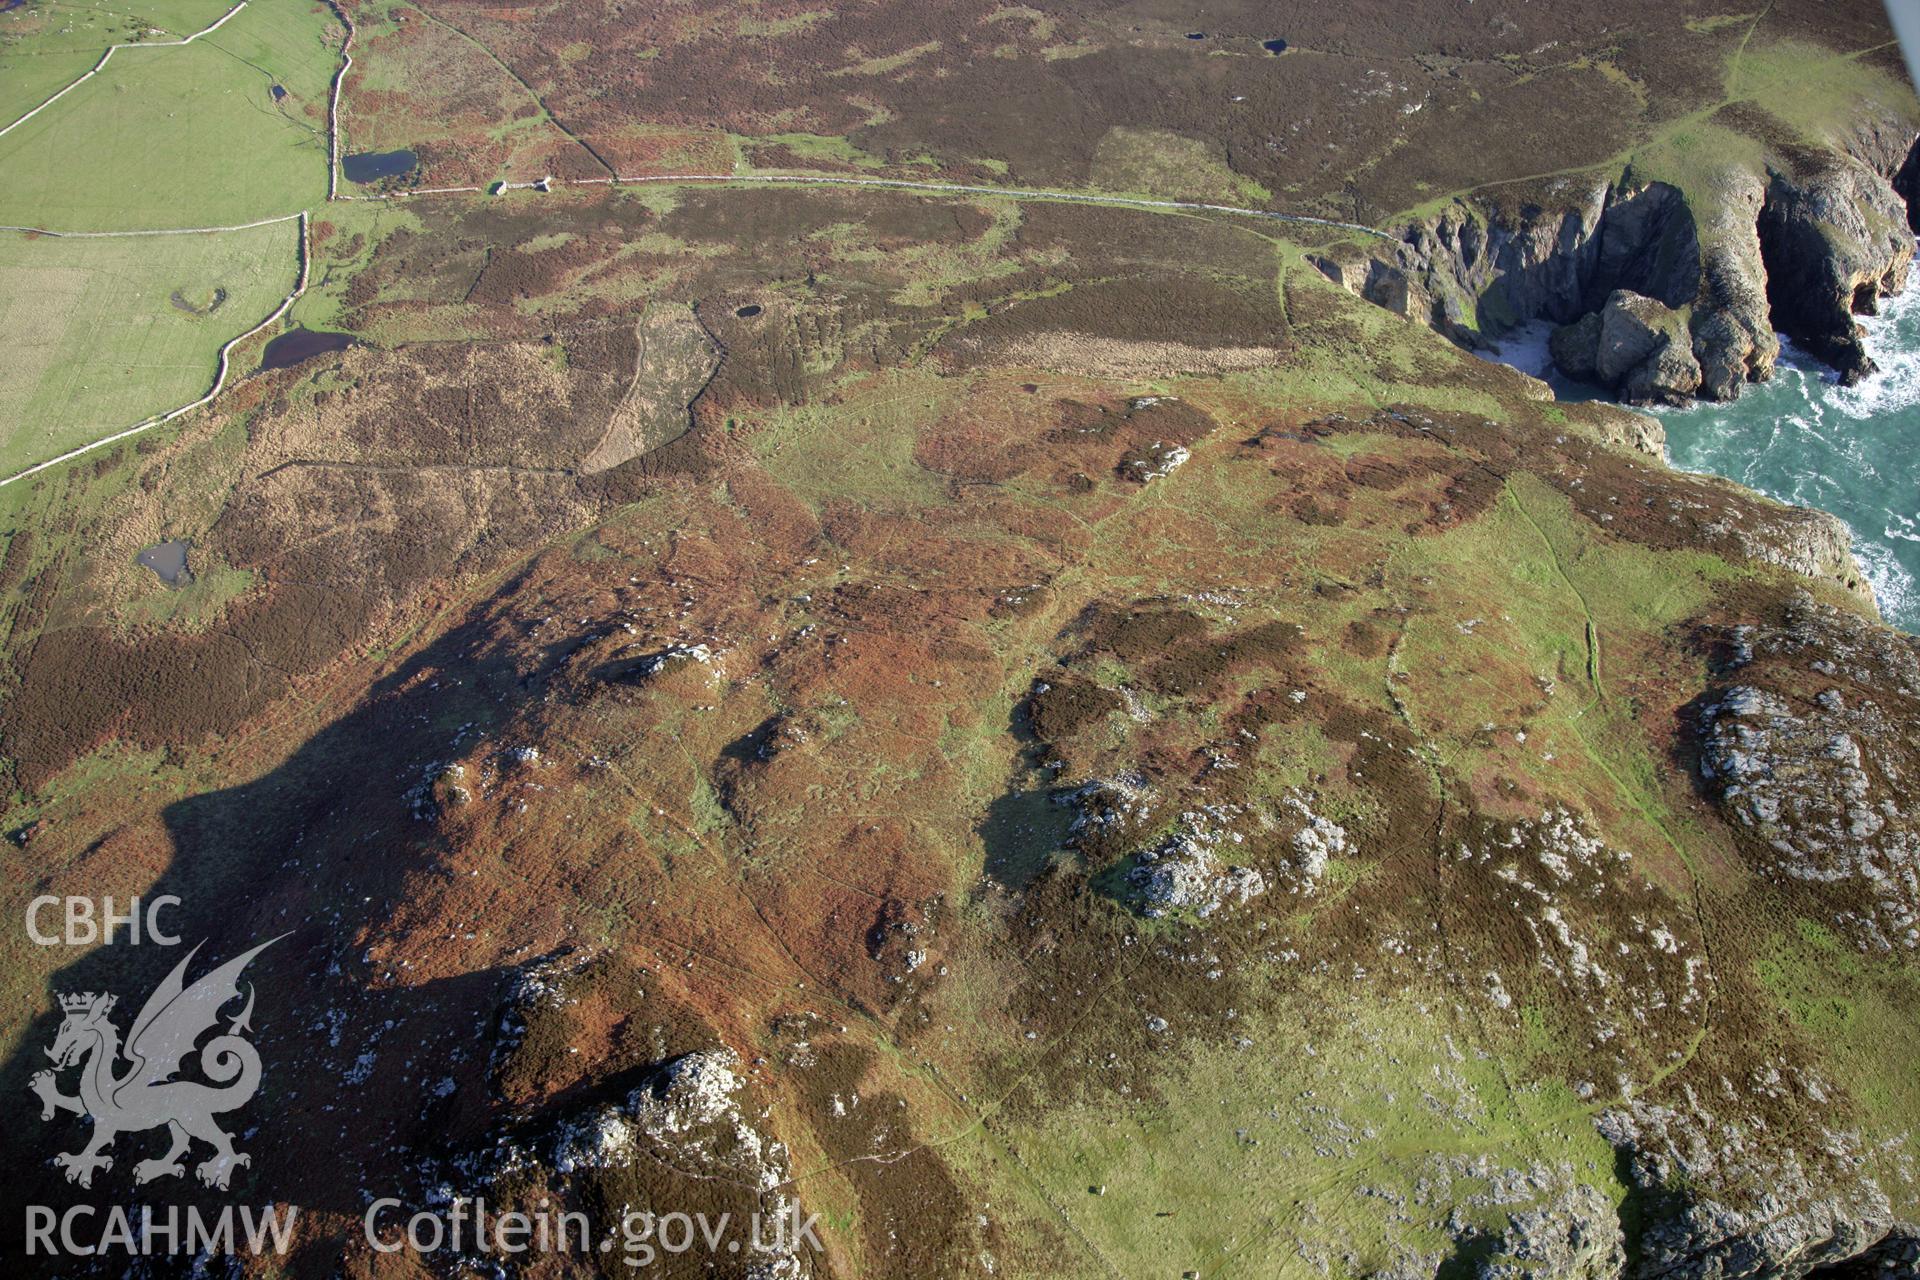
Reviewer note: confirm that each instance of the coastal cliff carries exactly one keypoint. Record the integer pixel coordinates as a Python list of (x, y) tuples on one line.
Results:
[(1665, 293)]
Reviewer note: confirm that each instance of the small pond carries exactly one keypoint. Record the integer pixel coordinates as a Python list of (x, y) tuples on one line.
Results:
[(295, 345), (1274, 46), (749, 311), (371, 166), (169, 560)]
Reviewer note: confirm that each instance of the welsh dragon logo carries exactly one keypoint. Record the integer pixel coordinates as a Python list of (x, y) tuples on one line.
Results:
[(145, 1095)]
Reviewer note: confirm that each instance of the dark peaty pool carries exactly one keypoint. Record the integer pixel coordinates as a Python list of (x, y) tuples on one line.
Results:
[(295, 345), (169, 560), (371, 166)]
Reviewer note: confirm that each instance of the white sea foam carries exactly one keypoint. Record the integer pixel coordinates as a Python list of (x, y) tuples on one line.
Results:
[(1893, 584), (1896, 384), (1854, 451), (1524, 348)]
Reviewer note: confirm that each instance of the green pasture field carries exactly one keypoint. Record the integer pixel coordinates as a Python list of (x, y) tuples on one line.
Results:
[(97, 341), (183, 135), (46, 46), (29, 79)]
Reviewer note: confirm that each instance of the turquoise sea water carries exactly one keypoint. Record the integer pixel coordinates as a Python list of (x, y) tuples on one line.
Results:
[(1803, 438), (1854, 451)]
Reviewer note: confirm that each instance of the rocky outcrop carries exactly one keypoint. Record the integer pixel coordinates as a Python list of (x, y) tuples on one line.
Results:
[(1692, 1177), (1733, 335), (1813, 544), (1897, 1255), (1834, 243), (1632, 330), (1886, 145), (1810, 752), (1635, 345), (1575, 348), (1574, 1237), (1627, 429), (688, 1124), (1182, 874)]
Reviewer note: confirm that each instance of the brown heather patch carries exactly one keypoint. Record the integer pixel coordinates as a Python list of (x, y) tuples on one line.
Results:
[(937, 92)]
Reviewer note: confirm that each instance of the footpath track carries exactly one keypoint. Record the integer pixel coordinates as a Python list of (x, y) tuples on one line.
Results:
[(894, 184)]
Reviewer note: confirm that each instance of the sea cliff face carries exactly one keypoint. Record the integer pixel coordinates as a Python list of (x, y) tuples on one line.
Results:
[(1666, 294), (1833, 246)]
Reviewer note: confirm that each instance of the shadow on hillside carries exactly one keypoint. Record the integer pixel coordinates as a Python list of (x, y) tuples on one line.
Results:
[(362, 1073)]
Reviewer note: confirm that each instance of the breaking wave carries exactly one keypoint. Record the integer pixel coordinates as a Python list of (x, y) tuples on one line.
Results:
[(1853, 451)]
